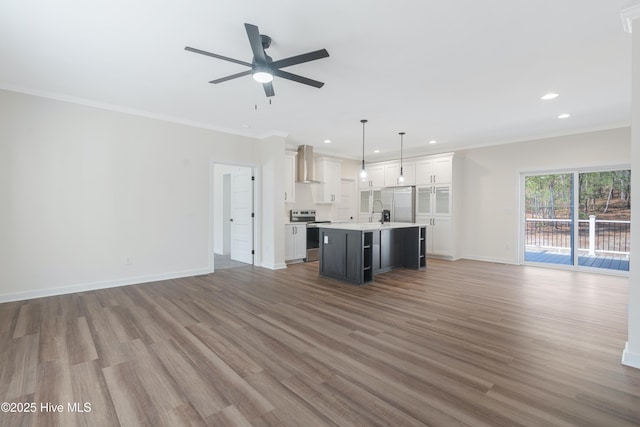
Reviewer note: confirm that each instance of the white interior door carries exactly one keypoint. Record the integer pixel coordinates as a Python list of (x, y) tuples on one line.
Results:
[(241, 215)]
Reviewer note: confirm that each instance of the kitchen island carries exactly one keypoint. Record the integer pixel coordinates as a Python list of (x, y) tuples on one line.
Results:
[(356, 252)]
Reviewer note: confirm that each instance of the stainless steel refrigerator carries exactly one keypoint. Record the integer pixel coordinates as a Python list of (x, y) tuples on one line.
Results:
[(400, 201)]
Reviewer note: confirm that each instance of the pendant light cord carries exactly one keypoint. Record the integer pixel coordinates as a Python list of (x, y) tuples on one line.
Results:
[(401, 144), (363, 121)]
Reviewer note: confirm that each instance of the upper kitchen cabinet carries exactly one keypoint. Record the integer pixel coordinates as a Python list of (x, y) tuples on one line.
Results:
[(290, 177), (329, 173), (434, 169), (375, 176), (392, 172)]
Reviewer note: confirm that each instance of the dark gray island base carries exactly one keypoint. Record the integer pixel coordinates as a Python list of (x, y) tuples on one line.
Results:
[(357, 252)]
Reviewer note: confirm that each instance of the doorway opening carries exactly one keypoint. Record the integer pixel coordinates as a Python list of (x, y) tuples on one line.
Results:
[(233, 216), (579, 219)]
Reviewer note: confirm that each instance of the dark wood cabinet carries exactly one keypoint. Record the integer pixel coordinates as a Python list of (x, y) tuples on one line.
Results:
[(344, 255), (357, 255)]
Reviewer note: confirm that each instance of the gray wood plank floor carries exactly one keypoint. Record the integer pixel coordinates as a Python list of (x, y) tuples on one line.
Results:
[(460, 343)]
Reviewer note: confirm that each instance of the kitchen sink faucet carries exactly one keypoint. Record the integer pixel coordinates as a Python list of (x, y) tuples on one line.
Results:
[(373, 210)]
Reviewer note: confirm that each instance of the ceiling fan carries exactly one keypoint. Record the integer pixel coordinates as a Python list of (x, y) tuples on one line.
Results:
[(263, 68)]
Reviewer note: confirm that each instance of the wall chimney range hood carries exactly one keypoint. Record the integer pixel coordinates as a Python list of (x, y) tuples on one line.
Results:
[(305, 165)]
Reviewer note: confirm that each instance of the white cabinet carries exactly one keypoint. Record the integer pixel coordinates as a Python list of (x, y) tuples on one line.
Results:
[(434, 169), (433, 208), (365, 203), (328, 172), (392, 172), (435, 178), (439, 234), (290, 177), (375, 177), (433, 200), (295, 242)]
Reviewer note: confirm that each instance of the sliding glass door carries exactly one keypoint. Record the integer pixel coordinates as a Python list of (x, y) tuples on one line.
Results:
[(604, 222), (579, 219), (549, 219)]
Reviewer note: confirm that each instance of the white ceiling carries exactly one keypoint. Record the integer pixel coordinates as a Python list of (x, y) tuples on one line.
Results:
[(462, 72)]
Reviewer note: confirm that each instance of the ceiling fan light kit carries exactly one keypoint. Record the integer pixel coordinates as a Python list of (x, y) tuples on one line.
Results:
[(263, 68), (262, 76)]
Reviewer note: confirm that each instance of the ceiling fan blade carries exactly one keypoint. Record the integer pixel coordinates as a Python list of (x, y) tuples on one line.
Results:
[(256, 43), (299, 59), (224, 58), (232, 76), (297, 78), (268, 89)]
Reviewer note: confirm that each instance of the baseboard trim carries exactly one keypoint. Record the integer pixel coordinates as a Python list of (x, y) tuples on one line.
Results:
[(490, 259), (83, 287), (278, 266), (630, 359)]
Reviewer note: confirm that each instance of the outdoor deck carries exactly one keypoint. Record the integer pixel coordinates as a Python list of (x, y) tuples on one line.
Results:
[(552, 257)]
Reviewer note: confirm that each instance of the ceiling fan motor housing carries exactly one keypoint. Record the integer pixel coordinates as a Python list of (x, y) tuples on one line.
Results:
[(266, 41)]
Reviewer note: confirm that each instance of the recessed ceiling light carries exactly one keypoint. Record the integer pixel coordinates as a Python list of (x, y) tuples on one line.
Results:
[(433, 141), (246, 126), (549, 96), (564, 116), (327, 141), (376, 151)]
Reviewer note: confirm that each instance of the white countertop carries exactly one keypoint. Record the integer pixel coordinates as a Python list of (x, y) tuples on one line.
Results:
[(366, 226)]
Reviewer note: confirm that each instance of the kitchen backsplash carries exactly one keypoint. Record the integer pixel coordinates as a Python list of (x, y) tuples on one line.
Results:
[(304, 200)]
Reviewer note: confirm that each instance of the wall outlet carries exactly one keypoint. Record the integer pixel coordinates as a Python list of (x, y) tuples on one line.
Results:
[(128, 260)]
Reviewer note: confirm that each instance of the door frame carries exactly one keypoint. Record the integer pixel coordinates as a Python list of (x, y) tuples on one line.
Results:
[(522, 218), (575, 197), (212, 215)]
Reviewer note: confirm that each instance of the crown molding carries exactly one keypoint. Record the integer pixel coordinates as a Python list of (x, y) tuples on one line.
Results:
[(136, 112), (628, 15)]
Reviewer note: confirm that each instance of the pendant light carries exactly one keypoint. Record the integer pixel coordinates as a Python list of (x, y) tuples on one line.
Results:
[(363, 172), (401, 177)]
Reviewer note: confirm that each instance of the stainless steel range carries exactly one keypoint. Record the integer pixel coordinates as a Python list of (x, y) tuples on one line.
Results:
[(308, 216)]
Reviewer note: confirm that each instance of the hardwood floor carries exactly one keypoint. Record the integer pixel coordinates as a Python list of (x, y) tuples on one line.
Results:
[(461, 343)]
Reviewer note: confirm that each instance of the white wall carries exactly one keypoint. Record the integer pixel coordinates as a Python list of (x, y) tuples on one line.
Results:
[(82, 189), (631, 354), (489, 217), (271, 181)]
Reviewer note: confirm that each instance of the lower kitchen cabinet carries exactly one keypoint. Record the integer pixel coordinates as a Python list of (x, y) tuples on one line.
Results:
[(295, 242), (356, 255), (439, 236)]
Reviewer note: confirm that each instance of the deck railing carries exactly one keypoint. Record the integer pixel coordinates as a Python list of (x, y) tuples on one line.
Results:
[(594, 236)]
